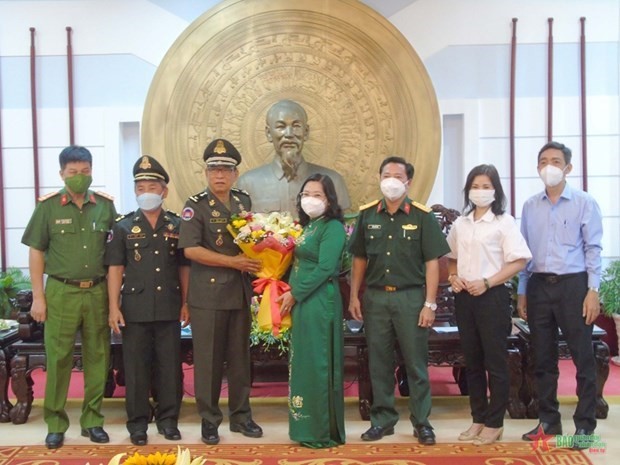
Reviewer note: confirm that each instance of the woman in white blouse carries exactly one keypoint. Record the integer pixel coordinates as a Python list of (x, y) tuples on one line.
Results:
[(487, 249)]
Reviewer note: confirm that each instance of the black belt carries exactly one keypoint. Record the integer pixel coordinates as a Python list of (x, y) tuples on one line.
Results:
[(393, 288), (82, 284), (552, 278)]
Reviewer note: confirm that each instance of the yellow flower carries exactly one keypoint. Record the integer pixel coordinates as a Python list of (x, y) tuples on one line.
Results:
[(257, 234), (237, 224), (295, 233), (152, 459)]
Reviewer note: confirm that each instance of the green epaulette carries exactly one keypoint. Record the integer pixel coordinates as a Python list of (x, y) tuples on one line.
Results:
[(43, 198), (370, 204), (105, 195), (421, 206)]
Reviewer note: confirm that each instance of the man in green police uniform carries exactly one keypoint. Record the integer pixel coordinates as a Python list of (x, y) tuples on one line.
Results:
[(66, 236), (396, 245), (145, 262), (219, 296)]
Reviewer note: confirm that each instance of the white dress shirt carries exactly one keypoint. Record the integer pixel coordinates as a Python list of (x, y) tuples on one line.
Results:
[(482, 247)]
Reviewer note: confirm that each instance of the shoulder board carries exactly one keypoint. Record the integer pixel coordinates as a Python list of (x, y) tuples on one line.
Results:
[(198, 197), (170, 212), (105, 196), (370, 204), (422, 207), (240, 191), (48, 196), (122, 217)]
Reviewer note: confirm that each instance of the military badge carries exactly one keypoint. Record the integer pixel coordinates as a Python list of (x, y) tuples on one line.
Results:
[(215, 213), (170, 227), (187, 213), (212, 202), (410, 227), (136, 255), (219, 241), (145, 164), (136, 229)]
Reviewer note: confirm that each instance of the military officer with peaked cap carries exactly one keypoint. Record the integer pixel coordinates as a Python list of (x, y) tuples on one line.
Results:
[(147, 286), (218, 295)]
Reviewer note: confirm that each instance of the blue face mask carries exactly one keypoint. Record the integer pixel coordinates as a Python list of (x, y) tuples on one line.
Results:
[(149, 201)]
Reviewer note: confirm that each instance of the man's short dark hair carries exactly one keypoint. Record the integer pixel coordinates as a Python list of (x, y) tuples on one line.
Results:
[(400, 161), (568, 155), (74, 153)]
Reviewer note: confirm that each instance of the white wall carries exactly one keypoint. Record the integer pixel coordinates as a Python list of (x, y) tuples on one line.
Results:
[(118, 44)]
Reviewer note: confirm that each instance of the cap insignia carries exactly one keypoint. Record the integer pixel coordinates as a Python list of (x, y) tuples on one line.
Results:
[(220, 148), (145, 164)]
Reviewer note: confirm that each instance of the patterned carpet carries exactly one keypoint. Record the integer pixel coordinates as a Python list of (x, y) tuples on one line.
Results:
[(277, 454)]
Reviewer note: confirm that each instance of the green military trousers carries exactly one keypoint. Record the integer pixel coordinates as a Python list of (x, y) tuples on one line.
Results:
[(389, 316), (69, 310)]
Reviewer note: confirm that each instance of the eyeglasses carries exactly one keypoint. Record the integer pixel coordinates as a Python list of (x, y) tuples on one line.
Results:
[(220, 169)]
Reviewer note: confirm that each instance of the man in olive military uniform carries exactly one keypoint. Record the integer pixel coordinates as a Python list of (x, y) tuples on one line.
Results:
[(147, 286), (66, 236), (396, 245), (218, 295)]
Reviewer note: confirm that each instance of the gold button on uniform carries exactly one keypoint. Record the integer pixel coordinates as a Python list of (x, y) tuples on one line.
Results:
[(159, 288), (212, 280)]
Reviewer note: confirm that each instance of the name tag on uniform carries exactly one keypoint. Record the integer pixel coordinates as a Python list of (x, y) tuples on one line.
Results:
[(136, 236), (374, 226), (218, 220), (64, 221), (171, 235), (410, 227)]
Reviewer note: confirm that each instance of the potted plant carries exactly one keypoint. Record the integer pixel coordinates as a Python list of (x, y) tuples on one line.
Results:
[(11, 282), (609, 294)]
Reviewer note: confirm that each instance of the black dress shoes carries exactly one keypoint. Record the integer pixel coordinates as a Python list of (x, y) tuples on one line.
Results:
[(96, 434), (54, 440), (583, 439), (209, 433), (171, 433), (425, 435), (138, 438), (249, 428), (377, 432), (550, 429)]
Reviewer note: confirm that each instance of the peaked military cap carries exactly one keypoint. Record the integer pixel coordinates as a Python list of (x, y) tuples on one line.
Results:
[(221, 152), (149, 169)]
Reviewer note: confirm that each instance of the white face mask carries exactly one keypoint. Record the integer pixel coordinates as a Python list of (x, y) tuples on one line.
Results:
[(551, 175), (313, 207), (149, 201), (482, 197), (392, 188)]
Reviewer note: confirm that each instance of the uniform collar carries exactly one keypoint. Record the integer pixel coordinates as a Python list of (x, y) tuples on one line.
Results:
[(405, 206), (162, 219), (65, 197)]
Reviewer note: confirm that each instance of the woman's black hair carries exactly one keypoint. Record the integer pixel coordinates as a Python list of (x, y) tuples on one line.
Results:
[(498, 207), (333, 209)]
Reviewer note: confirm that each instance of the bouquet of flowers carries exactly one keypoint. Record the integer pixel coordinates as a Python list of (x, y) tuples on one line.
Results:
[(182, 457), (269, 237)]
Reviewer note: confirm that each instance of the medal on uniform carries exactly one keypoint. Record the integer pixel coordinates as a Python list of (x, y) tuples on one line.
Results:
[(136, 255), (219, 241), (136, 229), (211, 202), (236, 198), (170, 227), (215, 213)]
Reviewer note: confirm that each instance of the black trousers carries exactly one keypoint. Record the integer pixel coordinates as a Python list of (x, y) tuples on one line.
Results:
[(152, 359), (560, 304), (484, 326)]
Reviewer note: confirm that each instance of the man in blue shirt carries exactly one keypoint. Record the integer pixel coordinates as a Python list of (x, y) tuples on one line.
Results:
[(559, 288)]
